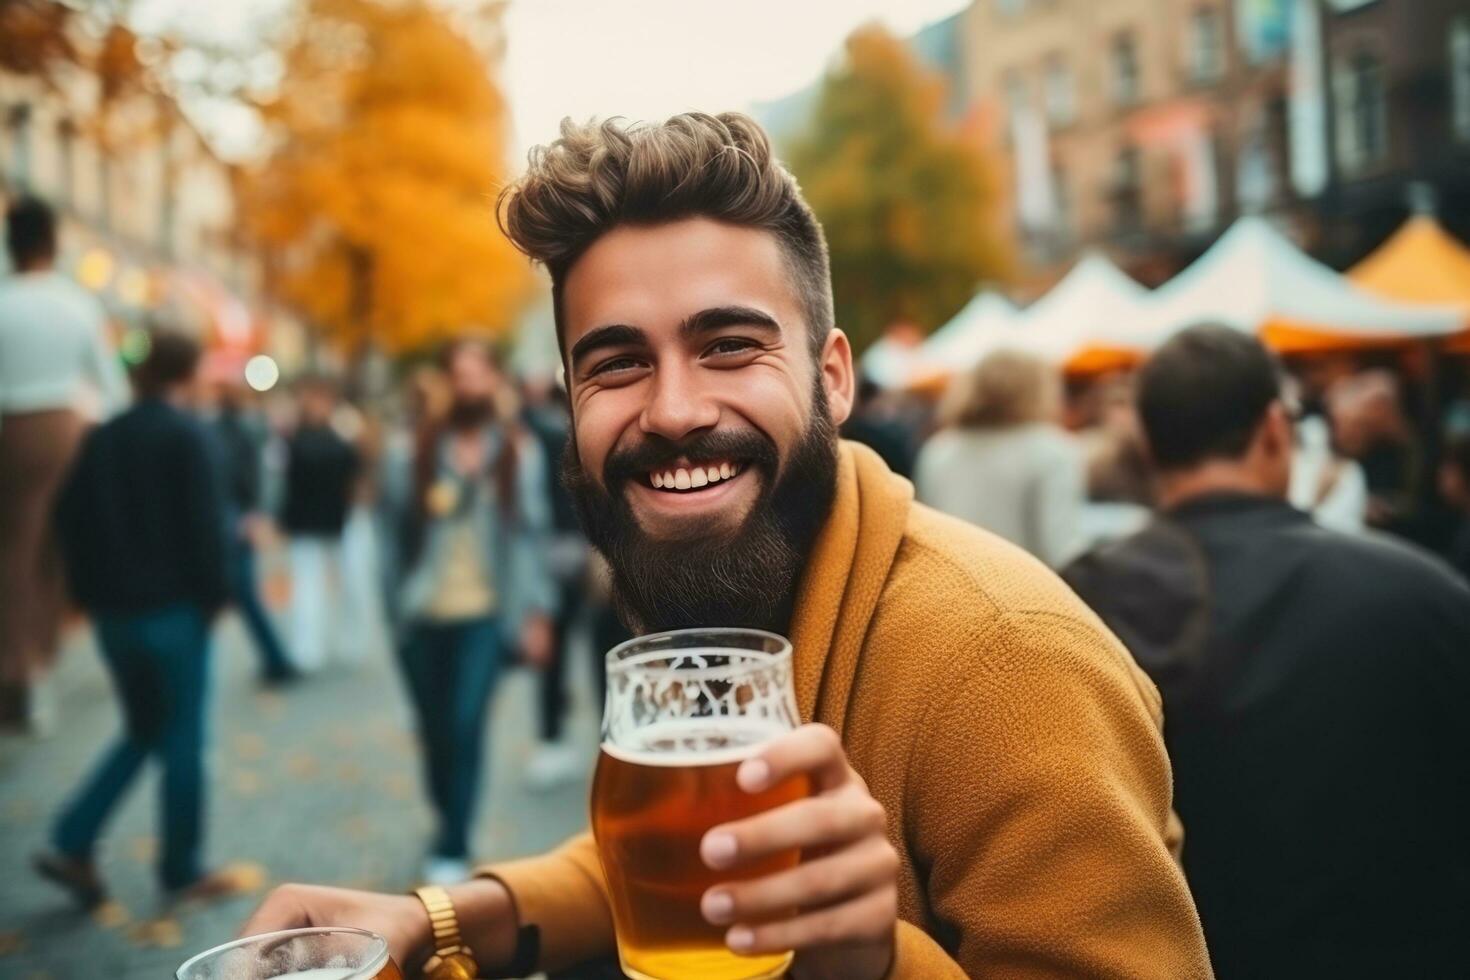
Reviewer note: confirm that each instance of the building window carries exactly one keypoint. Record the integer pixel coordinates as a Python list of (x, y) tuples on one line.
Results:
[(1128, 189), (1125, 69), (1206, 47), (1018, 100), (1065, 204), (66, 150), (1361, 113), (1460, 75), (104, 187), (18, 136), (1061, 101)]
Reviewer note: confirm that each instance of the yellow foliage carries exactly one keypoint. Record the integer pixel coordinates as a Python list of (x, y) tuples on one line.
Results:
[(906, 197), (376, 205)]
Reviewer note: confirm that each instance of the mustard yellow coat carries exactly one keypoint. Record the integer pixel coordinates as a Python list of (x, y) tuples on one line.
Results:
[(1011, 738)]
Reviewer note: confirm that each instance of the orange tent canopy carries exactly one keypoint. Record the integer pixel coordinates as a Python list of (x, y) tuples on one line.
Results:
[(1420, 263)]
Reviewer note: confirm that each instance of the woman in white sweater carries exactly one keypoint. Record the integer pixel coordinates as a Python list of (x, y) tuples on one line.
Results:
[(1001, 460)]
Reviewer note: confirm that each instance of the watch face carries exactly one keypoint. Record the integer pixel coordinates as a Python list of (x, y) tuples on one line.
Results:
[(457, 965)]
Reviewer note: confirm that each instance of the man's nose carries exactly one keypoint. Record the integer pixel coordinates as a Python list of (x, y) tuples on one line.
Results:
[(677, 405)]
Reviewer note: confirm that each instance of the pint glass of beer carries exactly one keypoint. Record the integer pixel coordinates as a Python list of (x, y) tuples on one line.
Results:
[(298, 954), (683, 710)]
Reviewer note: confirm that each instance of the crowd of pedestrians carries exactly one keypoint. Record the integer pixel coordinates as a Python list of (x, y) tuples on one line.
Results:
[(1226, 518)]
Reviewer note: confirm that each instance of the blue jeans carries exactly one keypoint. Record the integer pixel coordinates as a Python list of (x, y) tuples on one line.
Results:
[(451, 669), (274, 665), (159, 663)]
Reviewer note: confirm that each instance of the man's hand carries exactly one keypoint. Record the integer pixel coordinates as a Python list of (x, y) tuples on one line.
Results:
[(846, 887), (536, 640), (486, 919), (400, 919)]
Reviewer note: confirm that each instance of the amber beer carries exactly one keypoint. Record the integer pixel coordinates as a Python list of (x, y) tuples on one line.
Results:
[(650, 810), (333, 953), (683, 711)]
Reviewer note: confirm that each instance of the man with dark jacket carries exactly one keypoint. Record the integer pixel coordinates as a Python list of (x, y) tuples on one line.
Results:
[(1314, 690), (240, 441), (321, 473), (142, 528)]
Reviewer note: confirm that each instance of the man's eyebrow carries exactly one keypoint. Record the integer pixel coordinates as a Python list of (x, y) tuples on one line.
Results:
[(727, 316), (612, 335)]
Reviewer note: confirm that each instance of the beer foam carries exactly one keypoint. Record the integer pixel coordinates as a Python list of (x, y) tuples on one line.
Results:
[(696, 741)]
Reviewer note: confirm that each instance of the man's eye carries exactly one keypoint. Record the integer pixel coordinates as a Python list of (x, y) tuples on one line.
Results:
[(730, 345), (616, 365)]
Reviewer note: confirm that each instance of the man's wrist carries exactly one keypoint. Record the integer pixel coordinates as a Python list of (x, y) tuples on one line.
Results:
[(487, 923)]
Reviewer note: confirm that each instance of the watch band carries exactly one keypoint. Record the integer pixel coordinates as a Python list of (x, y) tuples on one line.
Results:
[(452, 959)]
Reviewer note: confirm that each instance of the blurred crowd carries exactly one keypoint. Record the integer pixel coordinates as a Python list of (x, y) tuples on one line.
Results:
[(149, 503), (1064, 463), (1173, 498)]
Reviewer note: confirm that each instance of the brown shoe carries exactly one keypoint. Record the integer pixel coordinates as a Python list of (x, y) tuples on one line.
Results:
[(226, 882), (80, 878)]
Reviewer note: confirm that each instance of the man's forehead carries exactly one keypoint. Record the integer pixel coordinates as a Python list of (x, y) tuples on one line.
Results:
[(655, 276)]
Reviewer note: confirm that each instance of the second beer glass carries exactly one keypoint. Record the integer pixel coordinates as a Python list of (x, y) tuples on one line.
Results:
[(683, 710)]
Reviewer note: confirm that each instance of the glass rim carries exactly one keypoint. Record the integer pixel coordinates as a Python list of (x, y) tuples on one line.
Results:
[(380, 958), (616, 662)]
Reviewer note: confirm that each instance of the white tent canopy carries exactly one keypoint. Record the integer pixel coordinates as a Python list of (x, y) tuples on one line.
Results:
[(1095, 305), (986, 321), (889, 363), (1255, 279)]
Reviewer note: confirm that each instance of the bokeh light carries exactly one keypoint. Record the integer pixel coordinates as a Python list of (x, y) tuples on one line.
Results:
[(94, 270), (135, 345), (262, 373)]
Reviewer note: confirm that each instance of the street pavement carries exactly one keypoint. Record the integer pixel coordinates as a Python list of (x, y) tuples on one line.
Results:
[(317, 783)]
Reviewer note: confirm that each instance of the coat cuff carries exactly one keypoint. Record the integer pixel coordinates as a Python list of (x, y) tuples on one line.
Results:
[(561, 906)]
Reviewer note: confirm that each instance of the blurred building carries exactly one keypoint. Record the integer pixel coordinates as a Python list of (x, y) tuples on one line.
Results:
[(1149, 125), (148, 209)]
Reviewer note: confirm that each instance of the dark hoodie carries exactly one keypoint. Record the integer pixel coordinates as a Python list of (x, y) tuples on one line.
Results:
[(1314, 690)]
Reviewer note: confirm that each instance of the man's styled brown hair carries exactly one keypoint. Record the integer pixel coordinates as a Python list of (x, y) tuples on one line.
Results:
[(598, 176)]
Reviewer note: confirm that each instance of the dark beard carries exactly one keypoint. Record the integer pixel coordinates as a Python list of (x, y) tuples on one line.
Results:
[(709, 577), (470, 413)]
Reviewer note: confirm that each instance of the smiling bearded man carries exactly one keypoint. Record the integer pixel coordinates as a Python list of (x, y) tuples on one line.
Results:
[(990, 794)]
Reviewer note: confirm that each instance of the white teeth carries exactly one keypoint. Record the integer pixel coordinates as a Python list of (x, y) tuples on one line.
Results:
[(668, 479), (658, 479), (714, 473), (681, 479), (698, 477), (725, 471)]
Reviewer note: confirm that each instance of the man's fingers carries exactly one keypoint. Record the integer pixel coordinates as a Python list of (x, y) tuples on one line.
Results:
[(868, 918), (283, 908), (866, 865), (817, 821), (814, 750)]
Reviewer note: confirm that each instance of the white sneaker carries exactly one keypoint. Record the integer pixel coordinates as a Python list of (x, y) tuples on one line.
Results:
[(554, 764), (445, 871)]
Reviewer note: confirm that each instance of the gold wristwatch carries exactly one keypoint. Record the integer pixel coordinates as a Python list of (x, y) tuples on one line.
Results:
[(452, 959)]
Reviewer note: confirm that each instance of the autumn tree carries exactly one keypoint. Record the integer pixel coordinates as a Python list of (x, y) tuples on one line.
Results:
[(906, 196), (375, 205)]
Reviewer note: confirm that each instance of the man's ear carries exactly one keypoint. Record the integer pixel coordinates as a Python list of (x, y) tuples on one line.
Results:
[(838, 377), (1277, 435)]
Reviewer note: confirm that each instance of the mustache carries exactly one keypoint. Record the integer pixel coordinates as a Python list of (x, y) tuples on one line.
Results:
[(657, 452)]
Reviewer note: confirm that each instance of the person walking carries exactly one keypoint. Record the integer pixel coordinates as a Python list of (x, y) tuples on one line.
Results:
[(555, 761), (241, 440), (472, 583), (1002, 462), (142, 525), (55, 369), (1314, 687), (321, 470)]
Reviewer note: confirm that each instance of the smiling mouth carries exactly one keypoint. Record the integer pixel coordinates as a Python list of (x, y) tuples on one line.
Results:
[(690, 477)]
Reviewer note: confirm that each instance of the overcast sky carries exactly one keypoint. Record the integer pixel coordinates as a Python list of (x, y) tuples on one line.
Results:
[(643, 59)]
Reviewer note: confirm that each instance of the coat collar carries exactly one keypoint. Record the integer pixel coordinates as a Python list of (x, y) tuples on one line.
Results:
[(841, 585)]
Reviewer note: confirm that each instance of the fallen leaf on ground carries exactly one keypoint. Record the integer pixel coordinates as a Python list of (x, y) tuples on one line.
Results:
[(110, 915)]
